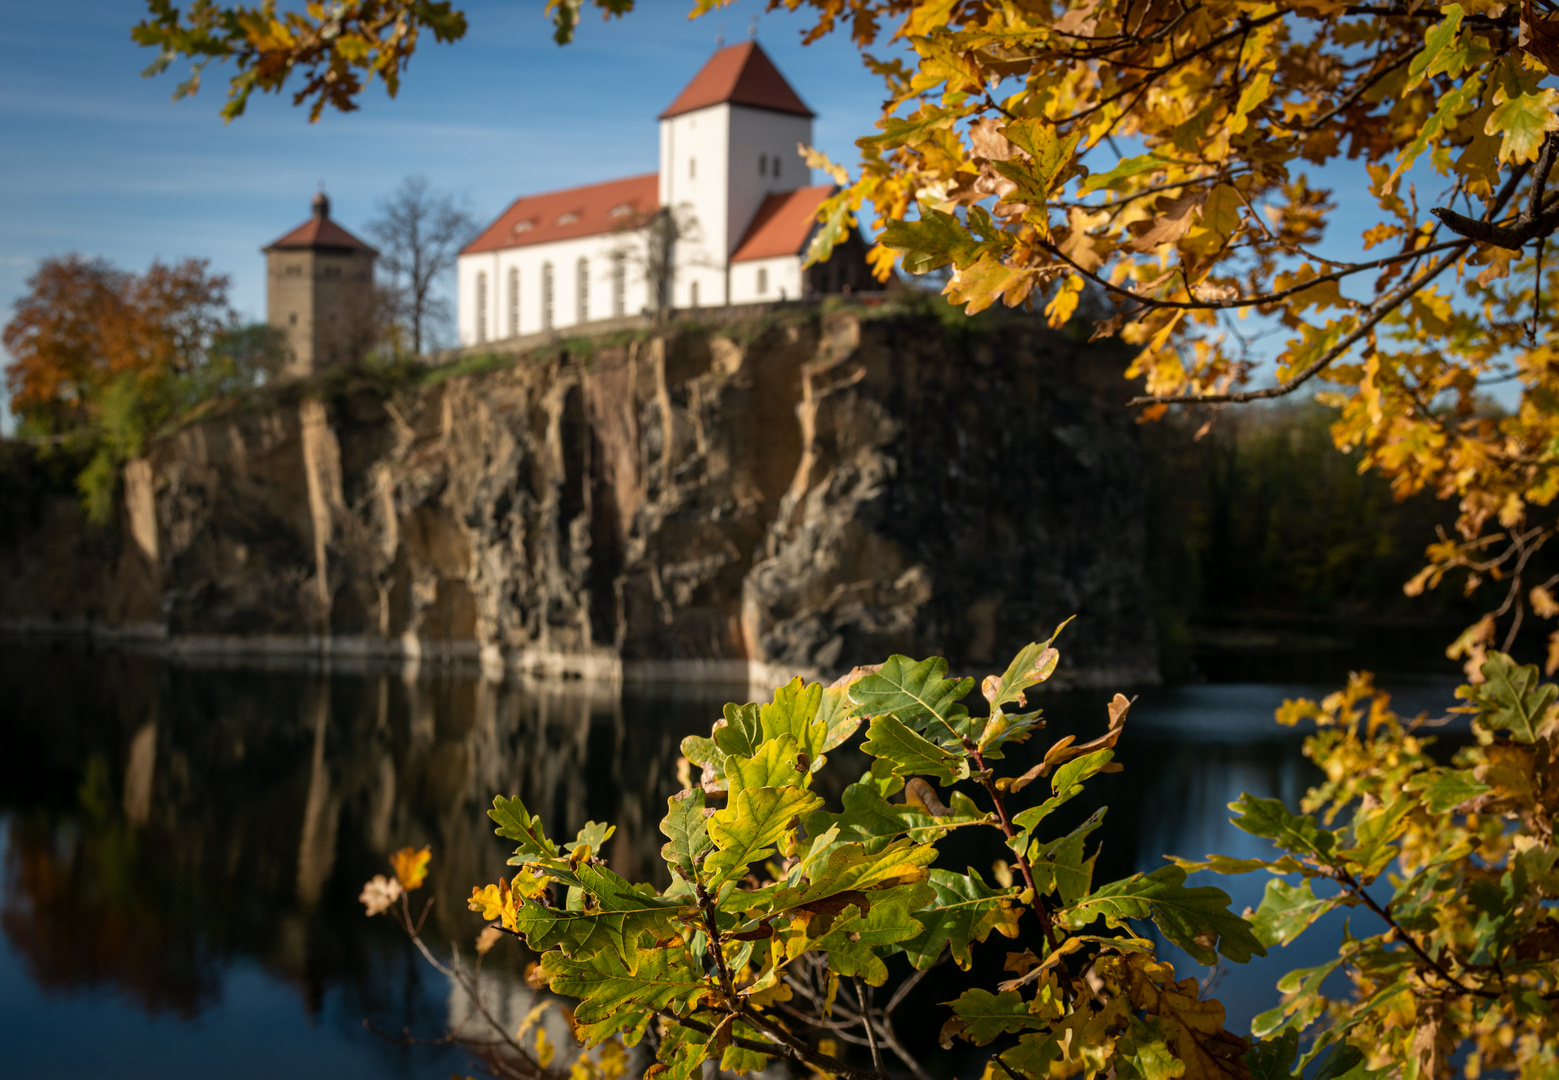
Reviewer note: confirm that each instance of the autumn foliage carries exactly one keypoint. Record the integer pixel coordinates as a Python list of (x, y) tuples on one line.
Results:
[(84, 324)]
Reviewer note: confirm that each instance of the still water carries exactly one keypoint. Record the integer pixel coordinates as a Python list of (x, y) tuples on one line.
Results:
[(183, 846)]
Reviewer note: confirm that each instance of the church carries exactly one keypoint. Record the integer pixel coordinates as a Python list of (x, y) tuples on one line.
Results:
[(738, 196)]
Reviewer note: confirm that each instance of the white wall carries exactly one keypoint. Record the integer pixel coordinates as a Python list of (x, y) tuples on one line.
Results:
[(709, 160), (564, 256), (771, 136), (784, 279)]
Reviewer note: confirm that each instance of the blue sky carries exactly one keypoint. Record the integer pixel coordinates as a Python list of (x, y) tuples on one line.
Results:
[(100, 161)]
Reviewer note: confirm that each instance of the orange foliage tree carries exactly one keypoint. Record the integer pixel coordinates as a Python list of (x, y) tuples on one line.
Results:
[(84, 324)]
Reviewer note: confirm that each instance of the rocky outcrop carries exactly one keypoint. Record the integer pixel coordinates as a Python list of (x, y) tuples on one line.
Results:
[(800, 492)]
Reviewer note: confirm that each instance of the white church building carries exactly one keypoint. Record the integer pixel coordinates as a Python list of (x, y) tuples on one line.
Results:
[(728, 162)]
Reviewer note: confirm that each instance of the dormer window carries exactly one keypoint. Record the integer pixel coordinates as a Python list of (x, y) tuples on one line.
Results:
[(525, 226), (568, 218), (620, 210)]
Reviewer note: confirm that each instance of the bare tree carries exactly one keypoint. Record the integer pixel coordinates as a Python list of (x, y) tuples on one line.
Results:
[(653, 246), (420, 232)]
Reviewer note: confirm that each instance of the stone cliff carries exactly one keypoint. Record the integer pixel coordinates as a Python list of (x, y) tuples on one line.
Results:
[(798, 492)]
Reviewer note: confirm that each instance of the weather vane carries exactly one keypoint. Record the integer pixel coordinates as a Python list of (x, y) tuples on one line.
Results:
[(752, 27), (720, 37)]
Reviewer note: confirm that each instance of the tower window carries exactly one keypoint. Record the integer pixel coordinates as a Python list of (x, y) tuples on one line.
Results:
[(763, 280), (481, 306), (546, 296), (776, 161), (514, 301), (582, 290), (763, 164), (292, 319), (619, 285), (692, 292), (692, 168)]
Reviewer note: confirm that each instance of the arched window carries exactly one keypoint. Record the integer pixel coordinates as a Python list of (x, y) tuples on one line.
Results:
[(546, 296), (481, 306), (692, 292), (582, 290), (619, 285), (763, 280), (514, 301)]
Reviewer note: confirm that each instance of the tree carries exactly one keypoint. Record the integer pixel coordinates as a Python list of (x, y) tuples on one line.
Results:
[(84, 324), (420, 233), (107, 357), (1170, 155), (654, 246)]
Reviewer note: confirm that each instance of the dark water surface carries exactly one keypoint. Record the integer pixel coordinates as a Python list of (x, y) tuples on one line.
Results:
[(183, 846)]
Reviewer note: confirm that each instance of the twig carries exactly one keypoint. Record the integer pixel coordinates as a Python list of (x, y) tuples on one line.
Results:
[(866, 1022)]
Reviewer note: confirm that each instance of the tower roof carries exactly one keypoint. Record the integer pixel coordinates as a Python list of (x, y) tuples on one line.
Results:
[(739, 75), (319, 233)]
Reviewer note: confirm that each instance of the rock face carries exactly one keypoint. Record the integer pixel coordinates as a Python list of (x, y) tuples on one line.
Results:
[(797, 493)]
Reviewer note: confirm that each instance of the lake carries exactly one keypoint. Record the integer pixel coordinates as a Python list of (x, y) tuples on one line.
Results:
[(183, 845)]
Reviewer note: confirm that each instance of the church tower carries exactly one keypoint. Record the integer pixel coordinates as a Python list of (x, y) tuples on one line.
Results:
[(319, 291), (727, 143)]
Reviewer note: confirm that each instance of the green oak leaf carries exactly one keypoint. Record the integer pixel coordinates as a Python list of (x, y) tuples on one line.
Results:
[(747, 830), (1273, 1059), (616, 1001), (776, 763), (1059, 866), (1298, 834), (983, 1016), (620, 913), (911, 754), (918, 695), (741, 730), (1198, 920), (594, 835), (854, 939), (687, 832), (794, 712), (515, 823), (1444, 789), (1287, 910), (965, 910), (1510, 698)]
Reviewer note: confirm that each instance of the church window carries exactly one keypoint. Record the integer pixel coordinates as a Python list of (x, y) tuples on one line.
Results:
[(619, 285), (692, 291), (481, 306), (776, 161), (514, 301), (582, 290), (292, 319), (692, 168), (546, 296), (763, 164), (763, 280)]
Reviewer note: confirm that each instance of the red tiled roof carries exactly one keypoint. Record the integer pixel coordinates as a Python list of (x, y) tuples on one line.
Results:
[(320, 232), (740, 75), (783, 224), (570, 214)]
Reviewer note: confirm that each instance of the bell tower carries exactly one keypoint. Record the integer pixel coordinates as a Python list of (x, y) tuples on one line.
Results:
[(319, 292)]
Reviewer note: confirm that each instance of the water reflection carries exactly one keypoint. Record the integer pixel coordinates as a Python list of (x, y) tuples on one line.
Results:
[(183, 846)]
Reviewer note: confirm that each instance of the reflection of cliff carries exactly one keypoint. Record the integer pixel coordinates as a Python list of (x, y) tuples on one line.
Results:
[(787, 495), (236, 813)]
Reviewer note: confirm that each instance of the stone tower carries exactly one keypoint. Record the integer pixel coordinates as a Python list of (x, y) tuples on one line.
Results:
[(319, 290)]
